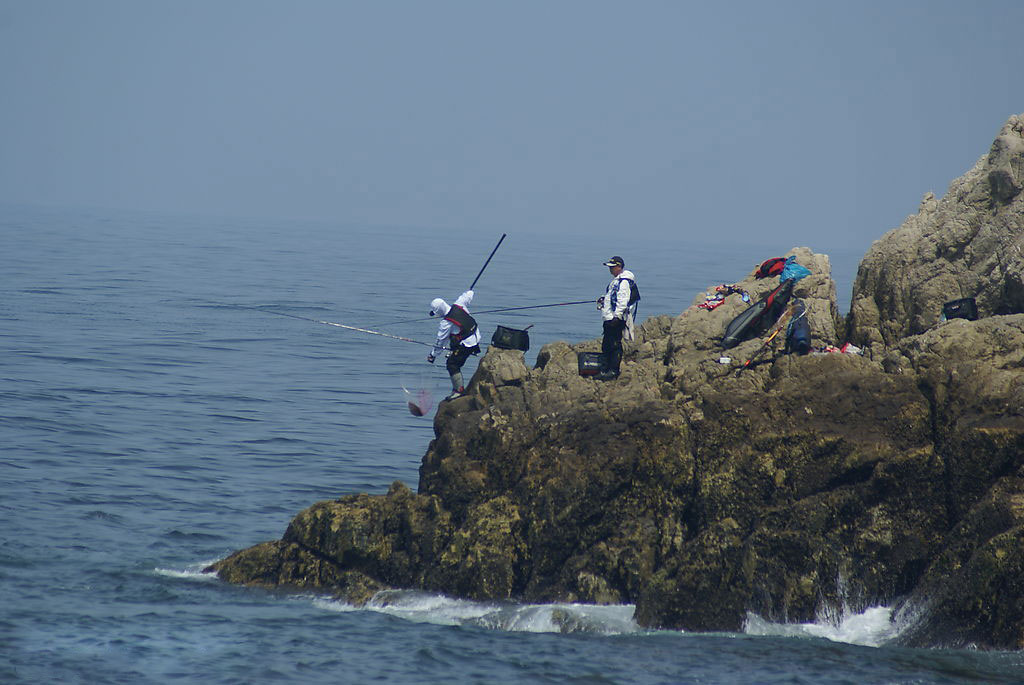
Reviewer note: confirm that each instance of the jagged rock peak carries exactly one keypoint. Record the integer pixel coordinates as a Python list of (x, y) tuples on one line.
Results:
[(968, 244)]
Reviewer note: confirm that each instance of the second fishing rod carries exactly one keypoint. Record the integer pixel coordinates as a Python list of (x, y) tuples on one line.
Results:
[(495, 311)]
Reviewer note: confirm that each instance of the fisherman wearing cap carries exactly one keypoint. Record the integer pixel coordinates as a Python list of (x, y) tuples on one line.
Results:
[(458, 331), (617, 309)]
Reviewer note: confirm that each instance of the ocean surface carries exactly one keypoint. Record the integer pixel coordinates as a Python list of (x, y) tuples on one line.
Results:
[(155, 416)]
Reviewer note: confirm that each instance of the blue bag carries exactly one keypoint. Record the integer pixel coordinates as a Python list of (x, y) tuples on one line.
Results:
[(794, 271)]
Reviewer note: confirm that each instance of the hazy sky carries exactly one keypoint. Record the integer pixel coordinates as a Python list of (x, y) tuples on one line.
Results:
[(770, 120)]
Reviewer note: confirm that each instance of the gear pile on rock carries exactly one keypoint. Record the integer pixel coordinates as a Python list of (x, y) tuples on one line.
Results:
[(800, 486)]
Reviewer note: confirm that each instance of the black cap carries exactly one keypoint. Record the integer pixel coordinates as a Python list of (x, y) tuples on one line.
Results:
[(615, 261)]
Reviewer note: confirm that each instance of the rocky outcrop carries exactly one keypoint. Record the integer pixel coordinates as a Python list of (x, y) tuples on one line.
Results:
[(968, 244), (701, 490)]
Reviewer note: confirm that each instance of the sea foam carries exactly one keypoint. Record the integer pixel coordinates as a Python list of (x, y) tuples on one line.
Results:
[(423, 607), (190, 572), (873, 627)]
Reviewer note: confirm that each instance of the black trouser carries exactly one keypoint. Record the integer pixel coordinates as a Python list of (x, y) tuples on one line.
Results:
[(611, 345), (458, 357)]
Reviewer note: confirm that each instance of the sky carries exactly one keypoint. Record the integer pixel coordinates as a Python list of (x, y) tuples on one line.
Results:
[(804, 123)]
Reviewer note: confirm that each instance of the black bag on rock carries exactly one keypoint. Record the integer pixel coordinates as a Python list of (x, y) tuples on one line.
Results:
[(961, 309), (510, 339), (590, 363)]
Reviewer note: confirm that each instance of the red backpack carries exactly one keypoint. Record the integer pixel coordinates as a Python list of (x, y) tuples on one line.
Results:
[(771, 267)]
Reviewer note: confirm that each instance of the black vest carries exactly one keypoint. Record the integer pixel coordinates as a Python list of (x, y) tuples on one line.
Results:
[(461, 318)]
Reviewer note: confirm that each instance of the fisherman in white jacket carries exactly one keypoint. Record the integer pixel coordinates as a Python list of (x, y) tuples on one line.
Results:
[(459, 332), (618, 307)]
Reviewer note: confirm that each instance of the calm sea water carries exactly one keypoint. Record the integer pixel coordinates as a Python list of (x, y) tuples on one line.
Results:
[(152, 421)]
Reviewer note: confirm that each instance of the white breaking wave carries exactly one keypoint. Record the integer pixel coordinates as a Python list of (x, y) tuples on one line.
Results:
[(871, 628), (423, 607), (190, 572)]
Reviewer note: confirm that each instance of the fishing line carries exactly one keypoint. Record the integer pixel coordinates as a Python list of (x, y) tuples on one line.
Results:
[(419, 392), (494, 311), (339, 325)]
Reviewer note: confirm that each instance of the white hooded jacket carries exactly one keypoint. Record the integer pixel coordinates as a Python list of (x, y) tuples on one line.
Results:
[(619, 287), (444, 330)]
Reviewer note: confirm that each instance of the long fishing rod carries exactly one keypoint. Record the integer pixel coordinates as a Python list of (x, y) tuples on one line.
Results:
[(339, 325), (487, 262), (367, 330), (535, 306), (495, 311)]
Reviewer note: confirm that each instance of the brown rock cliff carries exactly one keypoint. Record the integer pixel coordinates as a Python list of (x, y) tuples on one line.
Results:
[(701, 492)]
